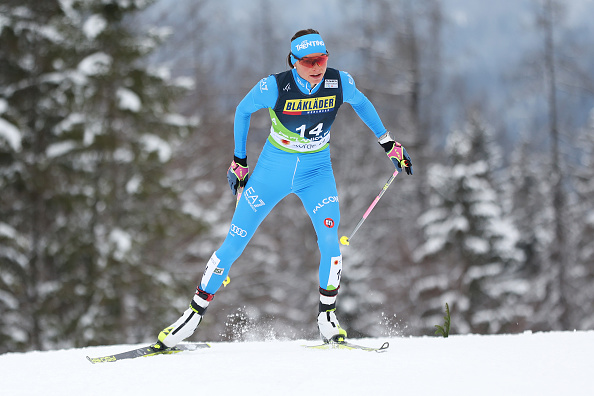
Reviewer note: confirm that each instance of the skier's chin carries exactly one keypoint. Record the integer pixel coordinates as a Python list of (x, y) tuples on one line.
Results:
[(316, 78)]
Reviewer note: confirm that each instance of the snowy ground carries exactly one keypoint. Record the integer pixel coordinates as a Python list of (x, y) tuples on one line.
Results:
[(527, 364)]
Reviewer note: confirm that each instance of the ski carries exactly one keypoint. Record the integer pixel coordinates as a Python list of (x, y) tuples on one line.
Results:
[(150, 350), (349, 345)]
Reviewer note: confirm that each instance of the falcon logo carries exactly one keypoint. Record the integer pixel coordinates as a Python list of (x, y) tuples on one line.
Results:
[(329, 222), (325, 201)]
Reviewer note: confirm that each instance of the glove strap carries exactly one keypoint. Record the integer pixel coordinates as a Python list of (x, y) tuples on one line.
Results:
[(385, 138), (240, 161), (239, 167), (392, 148)]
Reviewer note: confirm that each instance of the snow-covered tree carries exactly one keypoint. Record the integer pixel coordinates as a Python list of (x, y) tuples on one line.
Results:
[(469, 244), (583, 273), (530, 205), (89, 207), (29, 54)]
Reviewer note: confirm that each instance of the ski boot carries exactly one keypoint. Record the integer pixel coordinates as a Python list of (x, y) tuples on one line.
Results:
[(330, 329), (187, 323)]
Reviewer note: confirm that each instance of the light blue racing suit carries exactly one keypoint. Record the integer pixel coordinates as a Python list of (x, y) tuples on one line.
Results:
[(295, 159)]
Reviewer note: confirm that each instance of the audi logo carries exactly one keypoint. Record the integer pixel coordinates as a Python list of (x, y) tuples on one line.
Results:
[(238, 231)]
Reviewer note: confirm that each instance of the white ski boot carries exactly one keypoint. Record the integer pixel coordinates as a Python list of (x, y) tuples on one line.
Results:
[(188, 322), (329, 327)]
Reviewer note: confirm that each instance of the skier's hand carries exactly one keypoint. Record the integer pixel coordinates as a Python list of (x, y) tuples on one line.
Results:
[(238, 173), (399, 156)]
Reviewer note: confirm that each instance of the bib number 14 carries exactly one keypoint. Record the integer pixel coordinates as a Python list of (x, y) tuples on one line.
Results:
[(315, 132)]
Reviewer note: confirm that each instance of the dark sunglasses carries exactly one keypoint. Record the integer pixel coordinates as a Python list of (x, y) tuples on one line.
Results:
[(311, 61)]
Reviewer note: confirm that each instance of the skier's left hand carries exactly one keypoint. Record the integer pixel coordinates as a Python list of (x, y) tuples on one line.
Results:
[(399, 156), (238, 173)]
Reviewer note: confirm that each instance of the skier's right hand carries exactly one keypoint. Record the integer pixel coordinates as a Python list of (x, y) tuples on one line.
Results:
[(238, 173)]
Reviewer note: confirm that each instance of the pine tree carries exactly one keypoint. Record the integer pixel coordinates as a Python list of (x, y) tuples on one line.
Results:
[(583, 317), (468, 233), (530, 201), (29, 53), (90, 205)]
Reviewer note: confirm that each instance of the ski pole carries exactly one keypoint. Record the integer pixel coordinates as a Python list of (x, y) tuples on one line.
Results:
[(344, 240), (239, 192)]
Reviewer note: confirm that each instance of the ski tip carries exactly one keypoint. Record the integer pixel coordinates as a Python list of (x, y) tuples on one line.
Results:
[(95, 360), (384, 346), (103, 359)]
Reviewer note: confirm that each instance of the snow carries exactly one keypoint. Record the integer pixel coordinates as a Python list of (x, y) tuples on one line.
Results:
[(476, 245), (133, 185), (128, 100), (94, 26), (61, 148), (122, 242), (95, 64), (154, 143), (556, 363), (7, 231), (11, 134), (68, 122)]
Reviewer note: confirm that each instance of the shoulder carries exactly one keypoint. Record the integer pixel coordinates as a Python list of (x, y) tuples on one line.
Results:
[(346, 78), (267, 84), (265, 92), (349, 89)]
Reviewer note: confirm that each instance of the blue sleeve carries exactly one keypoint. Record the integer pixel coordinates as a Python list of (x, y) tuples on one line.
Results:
[(263, 95), (362, 106)]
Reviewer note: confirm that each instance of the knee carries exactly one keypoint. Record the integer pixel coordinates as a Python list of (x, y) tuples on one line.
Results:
[(328, 243)]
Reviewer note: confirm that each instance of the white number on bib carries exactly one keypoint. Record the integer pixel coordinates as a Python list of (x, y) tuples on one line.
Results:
[(316, 131)]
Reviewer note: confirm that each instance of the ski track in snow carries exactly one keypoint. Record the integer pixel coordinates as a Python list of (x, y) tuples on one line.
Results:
[(555, 363)]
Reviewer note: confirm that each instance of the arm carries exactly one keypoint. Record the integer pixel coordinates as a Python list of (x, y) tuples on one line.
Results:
[(366, 111), (262, 95), (362, 106)]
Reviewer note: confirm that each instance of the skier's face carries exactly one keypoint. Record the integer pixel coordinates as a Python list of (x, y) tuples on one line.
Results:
[(312, 67)]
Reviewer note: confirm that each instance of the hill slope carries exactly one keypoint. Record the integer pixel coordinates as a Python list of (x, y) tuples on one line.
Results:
[(526, 364)]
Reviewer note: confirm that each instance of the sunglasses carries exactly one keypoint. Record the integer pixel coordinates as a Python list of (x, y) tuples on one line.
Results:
[(311, 61)]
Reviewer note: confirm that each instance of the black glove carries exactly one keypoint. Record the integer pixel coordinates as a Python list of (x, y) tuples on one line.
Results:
[(238, 173)]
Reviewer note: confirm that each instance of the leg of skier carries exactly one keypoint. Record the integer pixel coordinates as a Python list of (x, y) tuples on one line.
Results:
[(270, 182), (320, 199)]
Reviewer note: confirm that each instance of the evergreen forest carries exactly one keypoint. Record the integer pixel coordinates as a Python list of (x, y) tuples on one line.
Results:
[(116, 132)]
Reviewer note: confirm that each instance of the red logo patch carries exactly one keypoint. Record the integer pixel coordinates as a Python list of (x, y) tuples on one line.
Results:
[(329, 222)]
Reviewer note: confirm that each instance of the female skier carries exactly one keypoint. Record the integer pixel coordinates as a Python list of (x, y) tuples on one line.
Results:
[(302, 103)]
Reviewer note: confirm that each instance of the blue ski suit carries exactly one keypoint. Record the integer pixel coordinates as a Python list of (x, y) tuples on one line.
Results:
[(295, 159)]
